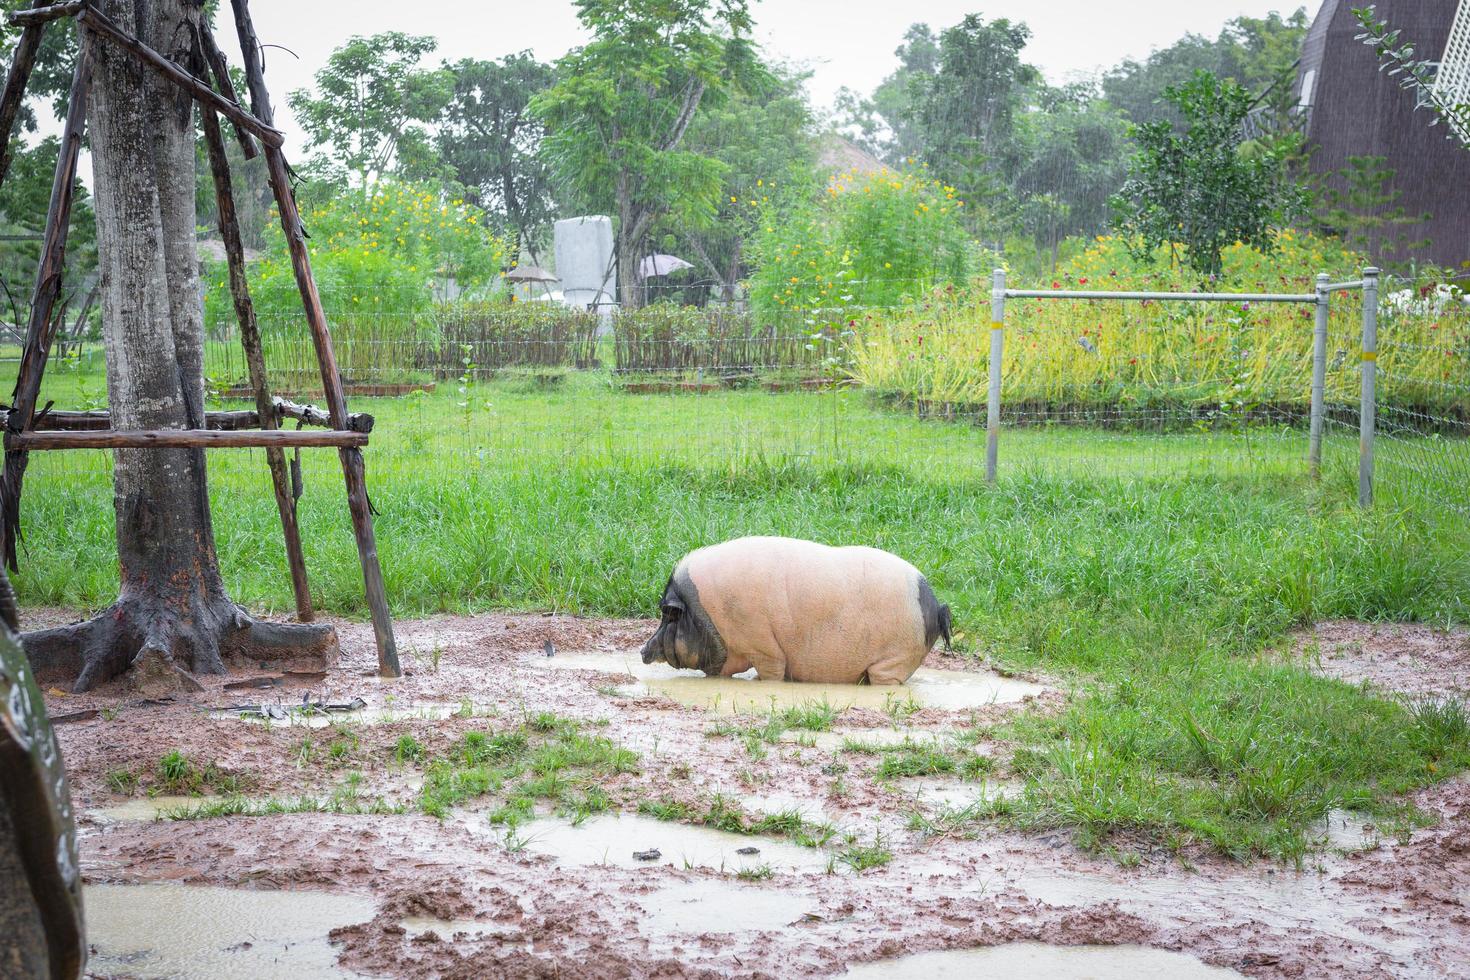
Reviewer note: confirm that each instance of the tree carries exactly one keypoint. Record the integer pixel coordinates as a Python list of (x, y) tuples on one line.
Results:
[(491, 143), (884, 125), (372, 107), (1069, 158), (618, 114), (172, 613), (964, 113), (1195, 189), (1358, 207), (23, 200), (1258, 53), (760, 134)]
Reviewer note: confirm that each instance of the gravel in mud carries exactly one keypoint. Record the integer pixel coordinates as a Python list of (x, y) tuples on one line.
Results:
[(454, 898)]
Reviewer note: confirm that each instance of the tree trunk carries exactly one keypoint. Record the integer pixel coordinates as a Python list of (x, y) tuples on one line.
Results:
[(172, 613)]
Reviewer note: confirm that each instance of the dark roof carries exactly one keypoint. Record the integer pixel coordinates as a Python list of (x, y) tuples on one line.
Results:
[(1356, 110)]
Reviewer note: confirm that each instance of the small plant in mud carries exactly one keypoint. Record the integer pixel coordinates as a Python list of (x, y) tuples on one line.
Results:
[(176, 772), (668, 810), (761, 873), (910, 759), (122, 782), (545, 758), (407, 750), (305, 751), (900, 709), (863, 857), (680, 770), (342, 747)]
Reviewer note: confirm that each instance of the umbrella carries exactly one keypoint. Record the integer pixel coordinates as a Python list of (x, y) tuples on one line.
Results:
[(530, 273), (661, 265)]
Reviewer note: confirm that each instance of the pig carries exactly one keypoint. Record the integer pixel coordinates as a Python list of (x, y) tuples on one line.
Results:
[(797, 611)]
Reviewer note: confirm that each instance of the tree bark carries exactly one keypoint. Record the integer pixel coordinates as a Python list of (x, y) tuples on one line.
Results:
[(172, 615)]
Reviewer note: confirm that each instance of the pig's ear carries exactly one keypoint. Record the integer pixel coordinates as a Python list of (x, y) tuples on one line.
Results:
[(672, 606)]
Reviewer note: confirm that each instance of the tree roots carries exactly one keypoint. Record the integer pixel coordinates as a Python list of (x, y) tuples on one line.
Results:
[(164, 649)]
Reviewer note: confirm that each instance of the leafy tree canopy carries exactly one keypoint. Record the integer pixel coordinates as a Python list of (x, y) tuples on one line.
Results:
[(1193, 189)]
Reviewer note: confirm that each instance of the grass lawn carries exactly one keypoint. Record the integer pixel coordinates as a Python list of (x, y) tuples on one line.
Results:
[(1148, 571)]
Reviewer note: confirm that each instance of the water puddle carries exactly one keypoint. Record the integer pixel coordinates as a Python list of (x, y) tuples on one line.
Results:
[(292, 716), (950, 690), (1348, 830), (1286, 900), (1042, 960), (778, 802), (720, 905), (954, 794), (417, 925), (143, 809), (167, 930), (613, 840), (839, 739)]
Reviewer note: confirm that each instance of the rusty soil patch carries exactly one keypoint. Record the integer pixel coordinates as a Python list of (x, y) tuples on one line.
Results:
[(1404, 657), (577, 892)]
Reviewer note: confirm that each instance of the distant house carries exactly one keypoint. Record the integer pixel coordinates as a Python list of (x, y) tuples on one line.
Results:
[(1352, 109), (838, 155)]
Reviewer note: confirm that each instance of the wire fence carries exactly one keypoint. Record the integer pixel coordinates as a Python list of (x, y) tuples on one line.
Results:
[(1154, 389)]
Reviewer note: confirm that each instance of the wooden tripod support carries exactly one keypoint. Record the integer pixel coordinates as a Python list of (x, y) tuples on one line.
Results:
[(26, 430)]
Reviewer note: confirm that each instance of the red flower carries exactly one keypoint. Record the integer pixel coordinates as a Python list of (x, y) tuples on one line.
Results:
[(1132, 360), (1082, 281)]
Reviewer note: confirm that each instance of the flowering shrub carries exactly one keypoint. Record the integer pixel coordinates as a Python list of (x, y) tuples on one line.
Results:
[(374, 251), (880, 239), (1224, 358)]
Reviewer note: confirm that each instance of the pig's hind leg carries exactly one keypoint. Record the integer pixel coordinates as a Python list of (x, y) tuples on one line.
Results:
[(891, 671)]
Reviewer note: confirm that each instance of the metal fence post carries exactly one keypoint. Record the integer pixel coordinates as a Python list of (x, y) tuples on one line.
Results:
[(1319, 374), (997, 352), (1367, 410)]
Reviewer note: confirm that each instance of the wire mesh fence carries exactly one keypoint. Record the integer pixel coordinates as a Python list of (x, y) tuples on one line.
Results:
[(1152, 390)]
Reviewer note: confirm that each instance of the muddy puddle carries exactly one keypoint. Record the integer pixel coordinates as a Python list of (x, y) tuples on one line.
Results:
[(720, 905), (293, 716), (949, 690), (144, 808), (954, 794), (1345, 830), (613, 840), (838, 739), (167, 930), (1042, 960)]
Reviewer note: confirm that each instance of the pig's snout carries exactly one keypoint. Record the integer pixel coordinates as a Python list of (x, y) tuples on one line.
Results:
[(650, 650)]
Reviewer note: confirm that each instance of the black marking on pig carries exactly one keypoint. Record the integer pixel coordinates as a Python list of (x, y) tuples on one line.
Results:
[(698, 630), (937, 621)]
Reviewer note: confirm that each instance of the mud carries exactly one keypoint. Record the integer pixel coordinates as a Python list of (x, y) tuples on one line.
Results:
[(423, 897), (186, 931), (633, 841), (1405, 658), (1041, 960), (927, 688)]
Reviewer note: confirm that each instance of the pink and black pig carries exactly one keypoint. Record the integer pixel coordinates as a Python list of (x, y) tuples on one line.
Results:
[(797, 611)]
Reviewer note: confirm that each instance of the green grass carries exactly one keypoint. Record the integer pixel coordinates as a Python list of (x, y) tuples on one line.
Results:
[(1149, 570), (545, 759)]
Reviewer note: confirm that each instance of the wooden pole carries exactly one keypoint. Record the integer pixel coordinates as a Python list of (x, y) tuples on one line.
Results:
[(50, 420), (181, 439), (229, 230), (336, 399), (202, 93), (43, 300), (311, 415), (215, 58), (40, 14), (14, 92)]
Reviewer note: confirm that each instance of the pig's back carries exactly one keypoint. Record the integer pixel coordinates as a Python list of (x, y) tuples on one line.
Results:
[(828, 613)]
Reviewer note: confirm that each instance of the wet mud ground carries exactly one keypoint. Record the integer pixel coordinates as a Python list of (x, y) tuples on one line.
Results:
[(398, 892)]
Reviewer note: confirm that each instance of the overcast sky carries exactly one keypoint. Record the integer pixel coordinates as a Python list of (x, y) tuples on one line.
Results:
[(843, 42)]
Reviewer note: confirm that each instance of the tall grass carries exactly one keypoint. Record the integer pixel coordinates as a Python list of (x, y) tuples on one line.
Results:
[(1146, 570)]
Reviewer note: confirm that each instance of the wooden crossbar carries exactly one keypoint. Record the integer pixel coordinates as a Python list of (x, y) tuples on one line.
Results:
[(183, 439)]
